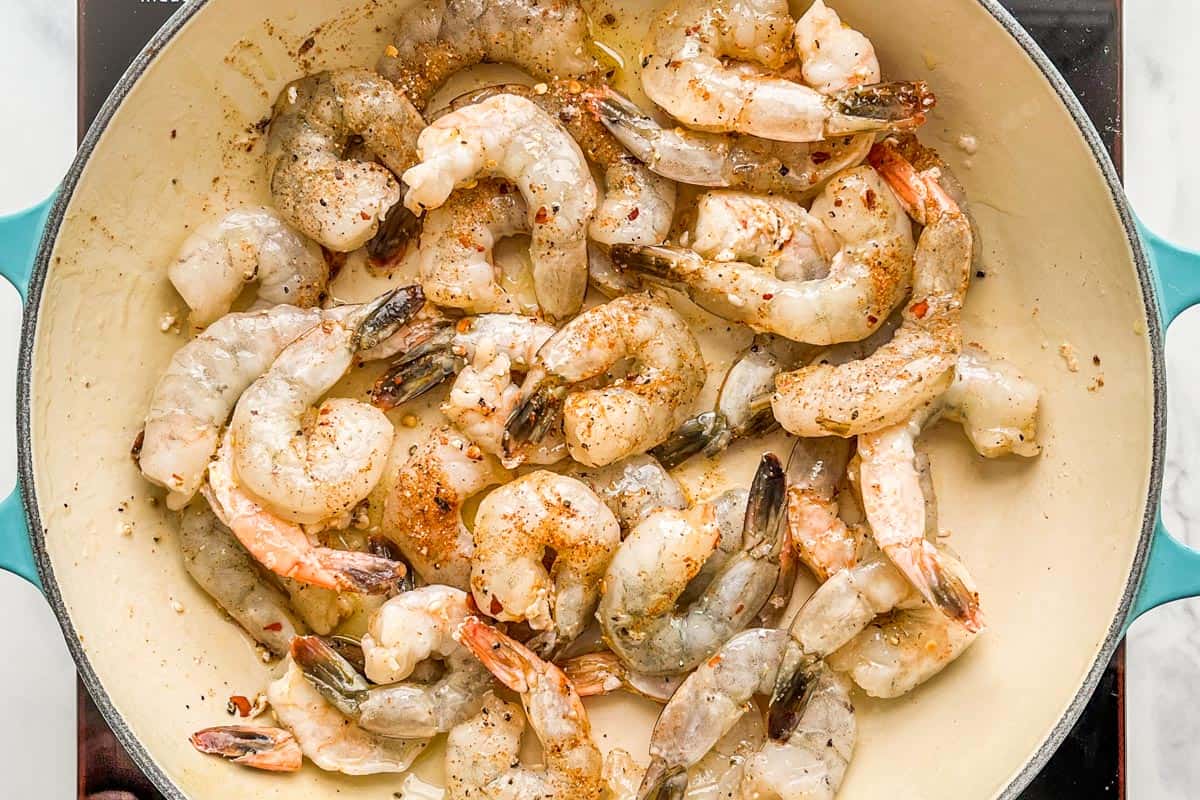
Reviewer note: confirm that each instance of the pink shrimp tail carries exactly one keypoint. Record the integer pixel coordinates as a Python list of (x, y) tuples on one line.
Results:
[(506, 658), (353, 571), (940, 583), (919, 192)]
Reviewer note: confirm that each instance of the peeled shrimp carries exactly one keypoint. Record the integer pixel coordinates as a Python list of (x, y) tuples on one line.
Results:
[(328, 739), (868, 277), (283, 547), (821, 539), (200, 387), (510, 137), (658, 560), (334, 200), (313, 471), (513, 528), (918, 364), (409, 632), (437, 38), (996, 404), (713, 65), (222, 567), (633, 488), (422, 512), (270, 749), (628, 416), (247, 244), (761, 166), (773, 233), (833, 56)]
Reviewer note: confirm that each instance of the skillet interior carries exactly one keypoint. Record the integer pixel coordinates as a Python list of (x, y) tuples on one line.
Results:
[(1050, 543)]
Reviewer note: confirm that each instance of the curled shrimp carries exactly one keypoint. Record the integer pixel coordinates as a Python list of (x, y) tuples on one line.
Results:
[(283, 547), (222, 567), (633, 488), (868, 277), (437, 38), (996, 405), (823, 542), (311, 470), (334, 200), (918, 364), (687, 70), (514, 527), (658, 560), (833, 56), (761, 166), (270, 749), (422, 510), (508, 136), (401, 708), (247, 244), (630, 415), (199, 388), (482, 753)]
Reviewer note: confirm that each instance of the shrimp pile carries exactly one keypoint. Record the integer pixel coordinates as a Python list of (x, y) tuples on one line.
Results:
[(516, 504)]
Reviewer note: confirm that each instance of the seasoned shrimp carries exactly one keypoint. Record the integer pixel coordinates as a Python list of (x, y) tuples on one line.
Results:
[(637, 206), (422, 512), (604, 672), (773, 233), (996, 404), (283, 547), (761, 166), (510, 137), (514, 527), (247, 244), (270, 749), (632, 488), (437, 38), (482, 754), (223, 568), (658, 560), (743, 403), (200, 387), (313, 472), (630, 415), (918, 364), (822, 541), (868, 277), (687, 70), (333, 200), (457, 242), (328, 739), (833, 56)]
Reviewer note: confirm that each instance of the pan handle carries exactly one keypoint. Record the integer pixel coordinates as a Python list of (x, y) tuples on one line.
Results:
[(1173, 569), (20, 235)]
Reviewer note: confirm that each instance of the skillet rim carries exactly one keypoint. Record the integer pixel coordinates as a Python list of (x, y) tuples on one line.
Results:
[(141, 756)]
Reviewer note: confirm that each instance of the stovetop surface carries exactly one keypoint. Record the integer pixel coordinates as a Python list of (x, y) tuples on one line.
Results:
[(1082, 37)]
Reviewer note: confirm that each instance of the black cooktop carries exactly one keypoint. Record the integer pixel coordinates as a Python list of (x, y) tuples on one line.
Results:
[(1082, 37)]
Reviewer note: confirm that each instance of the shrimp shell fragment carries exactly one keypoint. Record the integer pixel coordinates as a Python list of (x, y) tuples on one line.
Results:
[(269, 749)]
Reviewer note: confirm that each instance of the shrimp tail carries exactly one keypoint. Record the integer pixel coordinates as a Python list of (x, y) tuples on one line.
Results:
[(348, 648), (398, 230), (509, 660), (360, 572), (918, 191), (940, 582), (670, 264), (622, 116), (385, 315), (271, 749), (902, 104), (767, 506), (407, 381), (704, 433), (332, 675), (595, 674), (663, 782), (385, 548), (790, 694), (536, 415)]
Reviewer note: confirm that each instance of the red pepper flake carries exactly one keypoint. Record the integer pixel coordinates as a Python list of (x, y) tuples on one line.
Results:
[(820, 157), (837, 203), (870, 198), (872, 319), (239, 705), (274, 627), (633, 215), (542, 216), (919, 309), (496, 607), (364, 215), (768, 296)]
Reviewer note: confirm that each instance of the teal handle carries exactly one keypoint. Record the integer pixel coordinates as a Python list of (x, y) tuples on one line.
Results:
[(1173, 570), (20, 235)]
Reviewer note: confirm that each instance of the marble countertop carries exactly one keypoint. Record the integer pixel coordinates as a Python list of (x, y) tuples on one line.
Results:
[(1163, 703)]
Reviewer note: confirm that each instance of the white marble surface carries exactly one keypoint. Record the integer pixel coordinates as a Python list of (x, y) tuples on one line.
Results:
[(37, 746)]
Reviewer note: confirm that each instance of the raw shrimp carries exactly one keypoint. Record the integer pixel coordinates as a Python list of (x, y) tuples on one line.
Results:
[(514, 527), (996, 404), (632, 488), (336, 201), (761, 166), (223, 568), (283, 547), (510, 137), (437, 38), (422, 512), (328, 739), (637, 206), (918, 364), (457, 241), (200, 387), (868, 277), (833, 56), (821, 540), (270, 749), (313, 472), (632, 414), (247, 244), (604, 672), (482, 754), (658, 560), (401, 709), (743, 403), (686, 70)]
